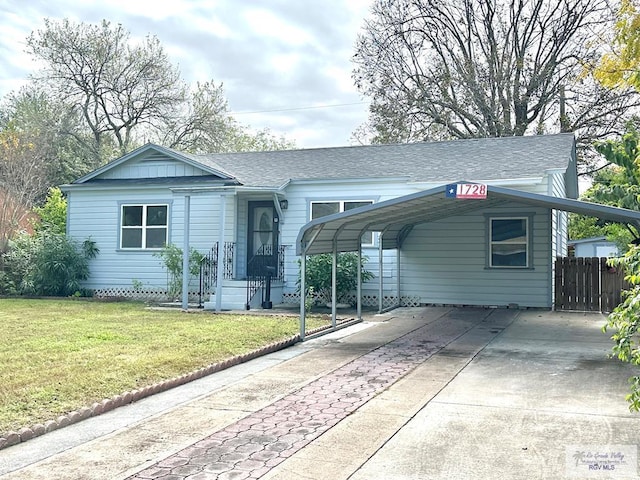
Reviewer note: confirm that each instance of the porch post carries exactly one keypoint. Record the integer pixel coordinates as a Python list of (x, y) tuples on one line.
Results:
[(398, 275), (380, 272), (359, 287), (303, 291), (185, 252), (221, 259), (334, 284)]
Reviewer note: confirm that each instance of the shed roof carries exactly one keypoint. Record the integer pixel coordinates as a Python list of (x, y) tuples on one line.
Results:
[(396, 217)]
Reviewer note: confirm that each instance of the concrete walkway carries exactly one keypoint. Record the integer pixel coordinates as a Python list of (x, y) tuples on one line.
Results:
[(412, 394)]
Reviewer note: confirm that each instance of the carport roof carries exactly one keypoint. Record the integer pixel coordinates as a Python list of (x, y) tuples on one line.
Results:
[(396, 217)]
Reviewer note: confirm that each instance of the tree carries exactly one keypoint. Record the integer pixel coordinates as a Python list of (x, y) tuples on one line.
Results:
[(116, 86), (441, 69), (617, 184), (22, 180), (625, 320), (205, 126), (113, 95), (620, 68), (52, 216), (54, 128)]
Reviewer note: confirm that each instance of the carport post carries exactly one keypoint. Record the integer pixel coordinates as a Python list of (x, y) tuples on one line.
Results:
[(334, 284), (303, 294), (380, 267), (359, 286), (398, 274)]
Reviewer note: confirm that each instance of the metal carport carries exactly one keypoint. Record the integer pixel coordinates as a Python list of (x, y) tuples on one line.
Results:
[(395, 219)]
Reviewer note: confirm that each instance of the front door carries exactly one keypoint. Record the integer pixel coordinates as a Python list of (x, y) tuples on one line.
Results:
[(262, 248)]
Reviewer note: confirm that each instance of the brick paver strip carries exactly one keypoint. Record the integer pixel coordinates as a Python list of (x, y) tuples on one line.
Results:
[(250, 447)]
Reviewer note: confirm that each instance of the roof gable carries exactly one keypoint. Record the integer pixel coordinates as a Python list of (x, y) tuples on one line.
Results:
[(153, 162)]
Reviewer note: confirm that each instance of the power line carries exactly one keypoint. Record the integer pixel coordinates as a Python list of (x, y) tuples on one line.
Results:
[(299, 108)]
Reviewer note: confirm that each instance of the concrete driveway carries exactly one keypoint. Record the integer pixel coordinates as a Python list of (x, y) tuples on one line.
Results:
[(418, 393)]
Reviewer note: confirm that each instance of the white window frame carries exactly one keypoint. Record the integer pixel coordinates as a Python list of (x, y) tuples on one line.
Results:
[(144, 227), (341, 210), (526, 242)]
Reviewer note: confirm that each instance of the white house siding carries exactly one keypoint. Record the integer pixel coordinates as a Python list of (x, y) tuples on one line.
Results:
[(97, 211), (444, 262), (299, 197), (154, 167)]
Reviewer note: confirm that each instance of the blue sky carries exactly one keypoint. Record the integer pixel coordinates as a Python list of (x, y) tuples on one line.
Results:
[(289, 60)]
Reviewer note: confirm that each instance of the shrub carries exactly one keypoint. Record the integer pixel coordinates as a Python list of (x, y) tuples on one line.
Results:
[(171, 255), (318, 275), (46, 263)]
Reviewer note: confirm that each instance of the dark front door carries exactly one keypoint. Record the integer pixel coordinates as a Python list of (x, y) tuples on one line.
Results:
[(262, 248)]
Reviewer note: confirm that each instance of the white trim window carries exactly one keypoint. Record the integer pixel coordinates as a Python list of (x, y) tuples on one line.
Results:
[(144, 227), (509, 242), (323, 208)]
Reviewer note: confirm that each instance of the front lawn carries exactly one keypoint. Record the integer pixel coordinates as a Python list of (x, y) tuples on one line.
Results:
[(59, 355)]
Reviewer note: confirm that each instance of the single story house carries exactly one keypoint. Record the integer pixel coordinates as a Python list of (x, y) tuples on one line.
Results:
[(430, 235), (594, 247)]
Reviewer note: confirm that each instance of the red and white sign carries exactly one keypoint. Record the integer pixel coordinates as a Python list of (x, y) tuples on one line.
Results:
[(470, 190)]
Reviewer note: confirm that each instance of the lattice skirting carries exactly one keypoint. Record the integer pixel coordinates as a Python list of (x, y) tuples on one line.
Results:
[(367, 300), (146, 294)]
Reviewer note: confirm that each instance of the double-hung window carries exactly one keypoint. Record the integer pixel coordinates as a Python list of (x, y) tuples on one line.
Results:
[(323, 208), (144, 226), (509, 242)]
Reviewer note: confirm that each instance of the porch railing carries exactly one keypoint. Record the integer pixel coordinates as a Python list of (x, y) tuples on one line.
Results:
[(209, 268), (263, 268)]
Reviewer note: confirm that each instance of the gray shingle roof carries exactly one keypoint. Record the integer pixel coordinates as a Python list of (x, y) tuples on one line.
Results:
[(471, 159)]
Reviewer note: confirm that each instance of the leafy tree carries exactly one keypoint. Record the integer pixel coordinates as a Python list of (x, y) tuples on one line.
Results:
[(439, 69), (625, 321), (52, 216), (621, 66), (54, 129), (611, 187)]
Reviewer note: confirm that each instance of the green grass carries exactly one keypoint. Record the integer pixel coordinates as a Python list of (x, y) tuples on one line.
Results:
[(59, 355)]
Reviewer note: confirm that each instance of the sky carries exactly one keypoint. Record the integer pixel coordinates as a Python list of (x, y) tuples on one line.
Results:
[(285, 65)]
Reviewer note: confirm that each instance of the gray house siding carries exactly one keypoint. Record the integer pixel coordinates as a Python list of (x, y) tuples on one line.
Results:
[(444, 262)]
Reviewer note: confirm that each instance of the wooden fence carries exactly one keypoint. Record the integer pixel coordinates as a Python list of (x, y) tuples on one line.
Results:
[(587, 284)]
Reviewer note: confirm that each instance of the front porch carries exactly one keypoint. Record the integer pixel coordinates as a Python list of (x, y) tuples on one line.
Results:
[(260, 285)]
